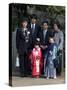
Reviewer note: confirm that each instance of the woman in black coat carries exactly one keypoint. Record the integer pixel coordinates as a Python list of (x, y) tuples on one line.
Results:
[(23, 41)]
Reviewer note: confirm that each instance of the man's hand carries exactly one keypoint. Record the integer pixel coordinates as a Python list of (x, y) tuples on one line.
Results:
[(43, 47)]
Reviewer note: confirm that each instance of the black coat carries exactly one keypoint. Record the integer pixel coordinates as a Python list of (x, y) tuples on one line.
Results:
[(36, 32), (21, 44), (41, 36)]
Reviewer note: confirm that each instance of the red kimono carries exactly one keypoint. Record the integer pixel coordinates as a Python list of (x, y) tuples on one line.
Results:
[(36, 61)]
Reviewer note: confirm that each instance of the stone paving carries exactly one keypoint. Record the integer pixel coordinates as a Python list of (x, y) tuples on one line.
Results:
[(28, 81)]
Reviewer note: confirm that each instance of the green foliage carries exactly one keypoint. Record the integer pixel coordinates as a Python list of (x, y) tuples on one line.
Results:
[(20, 10)]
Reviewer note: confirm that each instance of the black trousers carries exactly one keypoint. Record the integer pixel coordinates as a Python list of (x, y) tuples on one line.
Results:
[(59, 69), (23, 64)]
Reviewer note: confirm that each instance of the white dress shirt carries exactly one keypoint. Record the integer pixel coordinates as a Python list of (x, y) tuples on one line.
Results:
[(33, 26), (44, 33)]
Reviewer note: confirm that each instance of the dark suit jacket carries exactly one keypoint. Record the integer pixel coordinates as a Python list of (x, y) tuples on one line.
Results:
[(36, 32), (41, 36), (21, 44)]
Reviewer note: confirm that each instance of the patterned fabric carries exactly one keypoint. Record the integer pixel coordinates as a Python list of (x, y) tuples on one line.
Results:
[(36, 61), (50, 70)]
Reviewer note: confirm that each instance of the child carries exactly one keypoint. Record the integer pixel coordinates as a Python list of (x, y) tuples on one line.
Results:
[(36, 60), (51, 56)]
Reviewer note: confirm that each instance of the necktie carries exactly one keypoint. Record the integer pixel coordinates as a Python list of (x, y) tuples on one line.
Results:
[(44, 33), (33, 28)]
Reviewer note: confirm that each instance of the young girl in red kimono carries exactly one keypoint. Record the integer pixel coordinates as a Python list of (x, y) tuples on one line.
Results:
[(36, 60)]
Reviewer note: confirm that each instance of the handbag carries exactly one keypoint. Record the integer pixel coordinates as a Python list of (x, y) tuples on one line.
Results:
[(17, 61)]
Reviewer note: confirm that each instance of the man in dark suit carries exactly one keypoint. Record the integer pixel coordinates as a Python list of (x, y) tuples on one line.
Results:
[(23, 46), (44, 35), (34, 28)]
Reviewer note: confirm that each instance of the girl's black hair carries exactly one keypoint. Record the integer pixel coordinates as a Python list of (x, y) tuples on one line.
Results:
[(37, 42)]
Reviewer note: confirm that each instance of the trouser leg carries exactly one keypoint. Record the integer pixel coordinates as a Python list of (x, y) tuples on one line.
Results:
[(54, 72), (26, 64), (45, 58), (59, 69), (60, 64), (21, 62)]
